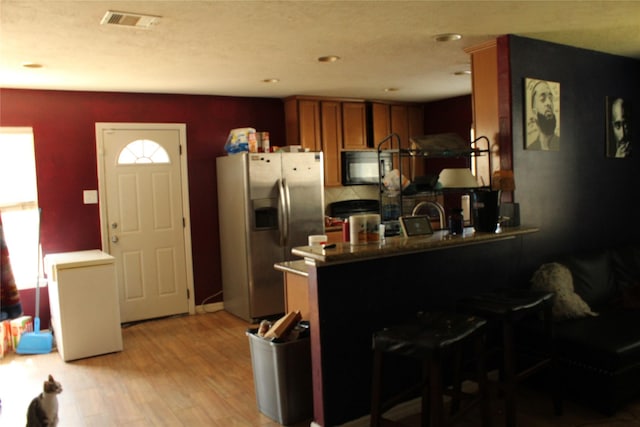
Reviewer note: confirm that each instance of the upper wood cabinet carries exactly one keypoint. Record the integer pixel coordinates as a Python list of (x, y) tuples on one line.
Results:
[(327, 125), (302, 123), (331, 141), (354, 126), (406, 120), (380, 122), (332, 125), (484, 95)]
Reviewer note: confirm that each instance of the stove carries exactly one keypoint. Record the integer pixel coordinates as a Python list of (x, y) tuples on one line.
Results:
[(345, 208)]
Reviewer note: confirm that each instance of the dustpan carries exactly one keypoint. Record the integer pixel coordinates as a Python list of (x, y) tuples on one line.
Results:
[(36, 342)]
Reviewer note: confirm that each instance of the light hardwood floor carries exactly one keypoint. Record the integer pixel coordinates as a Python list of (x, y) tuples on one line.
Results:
[(194, 371)]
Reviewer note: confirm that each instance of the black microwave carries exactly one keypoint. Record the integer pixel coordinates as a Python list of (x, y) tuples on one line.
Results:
[(365, 167)]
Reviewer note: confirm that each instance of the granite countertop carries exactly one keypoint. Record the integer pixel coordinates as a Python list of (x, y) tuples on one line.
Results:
[(298, 266), (393, 246)]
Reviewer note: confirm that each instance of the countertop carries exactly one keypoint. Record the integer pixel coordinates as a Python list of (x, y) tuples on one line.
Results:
[(393, 246), (298, 266)]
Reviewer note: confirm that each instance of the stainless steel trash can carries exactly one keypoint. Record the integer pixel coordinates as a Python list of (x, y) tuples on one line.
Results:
[(282, 378)]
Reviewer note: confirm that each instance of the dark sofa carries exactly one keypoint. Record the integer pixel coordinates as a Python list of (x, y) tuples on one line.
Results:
[(598, 357)]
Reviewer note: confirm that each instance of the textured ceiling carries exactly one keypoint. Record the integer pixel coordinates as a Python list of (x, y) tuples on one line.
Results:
[(229, 47)]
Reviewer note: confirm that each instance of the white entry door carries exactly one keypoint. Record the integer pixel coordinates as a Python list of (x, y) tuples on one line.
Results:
[(144, 216)]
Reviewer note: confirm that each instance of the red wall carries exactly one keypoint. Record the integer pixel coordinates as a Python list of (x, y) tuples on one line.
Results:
[(65, 146)]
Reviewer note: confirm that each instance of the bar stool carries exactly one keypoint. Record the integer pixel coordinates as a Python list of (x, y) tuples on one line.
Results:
[(504, 308), (434, 338)]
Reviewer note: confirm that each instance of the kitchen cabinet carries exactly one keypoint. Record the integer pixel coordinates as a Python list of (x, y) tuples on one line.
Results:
[(296, 286), (327, 125), (332, 125), (484, 97), (331, 141), (302, 123), (380, 122), (354, 126), (297, 294), (406, 120)]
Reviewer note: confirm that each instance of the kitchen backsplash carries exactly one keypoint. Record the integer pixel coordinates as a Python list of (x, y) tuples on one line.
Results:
[(336, 194)]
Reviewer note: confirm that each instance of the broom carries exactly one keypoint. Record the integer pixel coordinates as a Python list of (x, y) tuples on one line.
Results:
[(36, 342)]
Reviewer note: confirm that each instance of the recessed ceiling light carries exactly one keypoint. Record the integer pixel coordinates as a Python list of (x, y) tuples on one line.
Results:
[(31, 65), (447, 37), (270, 80), (329, 58)]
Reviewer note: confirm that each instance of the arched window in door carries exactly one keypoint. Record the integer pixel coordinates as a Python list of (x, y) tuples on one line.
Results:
[(143, 151)]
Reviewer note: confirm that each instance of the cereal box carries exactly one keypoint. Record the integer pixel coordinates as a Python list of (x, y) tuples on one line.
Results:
[(5, 337), (18, 327)]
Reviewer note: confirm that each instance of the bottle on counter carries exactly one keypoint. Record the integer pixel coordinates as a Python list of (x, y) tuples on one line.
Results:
[(345, 230), (456, 222)]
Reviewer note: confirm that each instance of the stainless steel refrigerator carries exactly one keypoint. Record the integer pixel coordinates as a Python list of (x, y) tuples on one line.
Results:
[(267, 204)]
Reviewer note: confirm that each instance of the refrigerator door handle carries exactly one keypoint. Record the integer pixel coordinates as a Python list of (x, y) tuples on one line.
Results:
[(287, 217), (283, 212)]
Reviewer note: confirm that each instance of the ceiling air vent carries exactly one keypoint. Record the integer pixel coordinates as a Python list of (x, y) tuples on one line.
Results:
[(127, 19)]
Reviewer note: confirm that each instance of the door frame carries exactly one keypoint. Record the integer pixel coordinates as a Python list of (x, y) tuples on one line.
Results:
[(184, 182)]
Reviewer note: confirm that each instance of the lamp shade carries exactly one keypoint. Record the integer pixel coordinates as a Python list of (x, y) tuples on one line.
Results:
[(457, 178)]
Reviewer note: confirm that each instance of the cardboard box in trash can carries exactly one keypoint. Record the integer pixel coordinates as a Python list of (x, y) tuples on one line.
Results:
[(19, 326), (282, 378), (5, 337)]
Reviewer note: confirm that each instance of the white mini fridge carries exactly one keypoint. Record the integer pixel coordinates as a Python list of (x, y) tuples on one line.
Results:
[(84, 304)]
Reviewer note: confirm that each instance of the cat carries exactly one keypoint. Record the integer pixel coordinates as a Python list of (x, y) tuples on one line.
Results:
[(43, 409)]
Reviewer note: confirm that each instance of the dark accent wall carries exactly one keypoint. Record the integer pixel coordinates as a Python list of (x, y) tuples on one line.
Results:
[(580, 199), (65, 146)]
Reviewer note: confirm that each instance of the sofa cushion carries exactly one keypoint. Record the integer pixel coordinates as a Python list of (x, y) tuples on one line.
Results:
[(555, 277), (593, 278), (609, 342)]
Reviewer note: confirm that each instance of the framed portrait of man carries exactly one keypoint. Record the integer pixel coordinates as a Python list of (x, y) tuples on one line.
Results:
[(618, 127), (542, 115)]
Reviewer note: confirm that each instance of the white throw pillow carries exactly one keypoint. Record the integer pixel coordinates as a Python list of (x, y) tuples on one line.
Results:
[(555, 277)]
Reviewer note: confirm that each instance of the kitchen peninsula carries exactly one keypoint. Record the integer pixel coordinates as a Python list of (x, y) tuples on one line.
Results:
[(356, 290)]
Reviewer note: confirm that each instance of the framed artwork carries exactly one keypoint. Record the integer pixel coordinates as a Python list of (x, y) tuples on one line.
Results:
[(542, 115), (618, 143)]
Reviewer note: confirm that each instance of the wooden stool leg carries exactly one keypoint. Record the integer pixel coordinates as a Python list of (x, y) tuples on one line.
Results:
[(483, 386), (436, 409), (509, 372), (376, 392), (425, 404), (557, 384), (456, 382)]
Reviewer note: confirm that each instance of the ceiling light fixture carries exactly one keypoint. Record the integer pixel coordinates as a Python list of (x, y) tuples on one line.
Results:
[(32, 65), (270, 80), (391, 89), (447, 37), (329, 58)]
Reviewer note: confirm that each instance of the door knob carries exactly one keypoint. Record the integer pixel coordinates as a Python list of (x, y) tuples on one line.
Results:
[(114, 225), (114, 239)]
